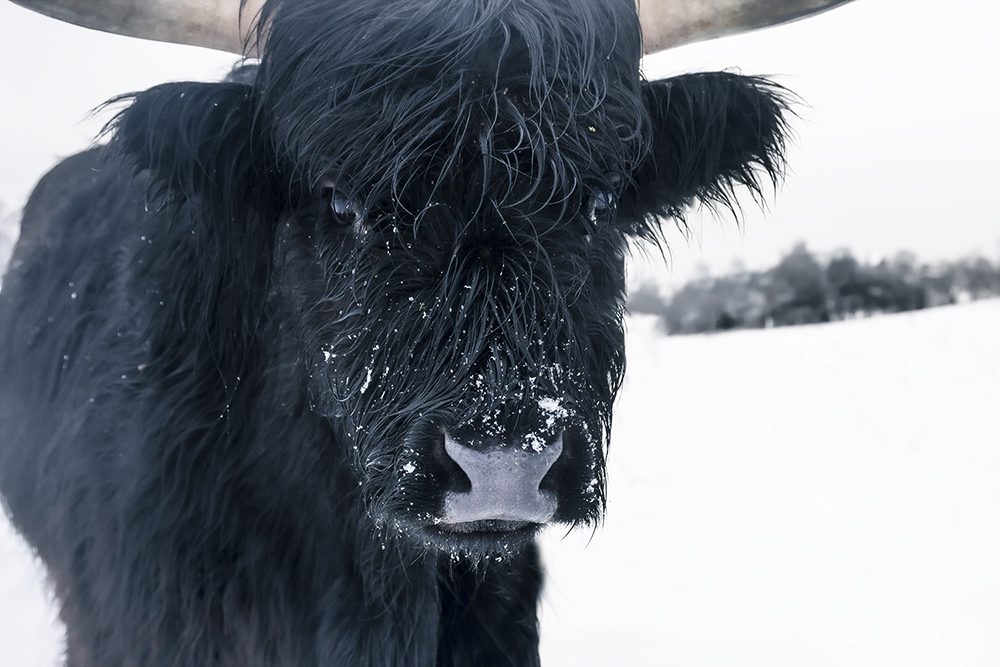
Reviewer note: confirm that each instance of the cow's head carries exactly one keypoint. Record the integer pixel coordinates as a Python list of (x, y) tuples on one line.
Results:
[(455, 185), (466, 177)]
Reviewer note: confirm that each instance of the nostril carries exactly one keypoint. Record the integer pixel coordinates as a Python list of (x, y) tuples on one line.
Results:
[(457, 479)]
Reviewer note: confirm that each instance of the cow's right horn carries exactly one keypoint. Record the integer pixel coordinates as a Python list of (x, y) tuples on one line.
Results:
[(214, 24)]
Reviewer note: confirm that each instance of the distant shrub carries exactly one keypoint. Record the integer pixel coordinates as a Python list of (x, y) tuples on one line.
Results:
[(802, 289)]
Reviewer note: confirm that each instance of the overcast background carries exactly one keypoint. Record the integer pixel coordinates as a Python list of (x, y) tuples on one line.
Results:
[(896, 146)]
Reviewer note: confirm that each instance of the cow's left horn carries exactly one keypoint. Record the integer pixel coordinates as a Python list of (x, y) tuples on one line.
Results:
[(214, 24), (670, 23)]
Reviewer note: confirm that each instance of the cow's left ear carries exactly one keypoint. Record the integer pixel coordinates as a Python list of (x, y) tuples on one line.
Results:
[(710, 133)]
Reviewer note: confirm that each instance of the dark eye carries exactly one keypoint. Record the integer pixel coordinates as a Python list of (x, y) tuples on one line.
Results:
[(342, 210), (600, 205)]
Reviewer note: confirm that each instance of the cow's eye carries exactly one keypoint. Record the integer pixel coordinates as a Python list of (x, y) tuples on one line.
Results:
[(342, 210), (600, 205)]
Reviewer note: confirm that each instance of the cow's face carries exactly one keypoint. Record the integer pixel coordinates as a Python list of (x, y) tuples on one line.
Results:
[(455, 240), (470, 350)]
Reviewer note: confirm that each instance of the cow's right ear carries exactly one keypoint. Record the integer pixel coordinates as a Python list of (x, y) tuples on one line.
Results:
[(195, 138), (710, 133)]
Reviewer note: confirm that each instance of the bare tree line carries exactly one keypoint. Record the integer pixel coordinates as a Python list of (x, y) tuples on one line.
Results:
[(806, 289)]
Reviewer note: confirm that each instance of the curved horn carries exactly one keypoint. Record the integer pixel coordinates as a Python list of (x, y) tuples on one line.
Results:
[(214, 24), (670, 23)]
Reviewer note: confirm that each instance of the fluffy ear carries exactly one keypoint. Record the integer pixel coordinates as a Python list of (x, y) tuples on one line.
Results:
[(195, 138), (710, 133)]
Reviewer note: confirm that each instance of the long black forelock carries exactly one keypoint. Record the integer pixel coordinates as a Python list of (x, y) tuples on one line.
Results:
[(397, 107)]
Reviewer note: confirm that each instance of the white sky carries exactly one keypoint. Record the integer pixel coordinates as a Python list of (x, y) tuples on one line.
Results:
[(897, 145)]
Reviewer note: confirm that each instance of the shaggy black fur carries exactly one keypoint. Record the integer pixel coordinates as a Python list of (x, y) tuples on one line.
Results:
[(233, 338)]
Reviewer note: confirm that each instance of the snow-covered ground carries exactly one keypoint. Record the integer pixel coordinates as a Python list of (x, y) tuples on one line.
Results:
[(825, 495)]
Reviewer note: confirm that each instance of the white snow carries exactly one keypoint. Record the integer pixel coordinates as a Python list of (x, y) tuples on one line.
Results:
[(825, 495), (818, 496), (30, 632), (553, 409)]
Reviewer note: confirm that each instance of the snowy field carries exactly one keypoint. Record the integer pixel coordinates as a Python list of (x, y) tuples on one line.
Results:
[(810, 496)]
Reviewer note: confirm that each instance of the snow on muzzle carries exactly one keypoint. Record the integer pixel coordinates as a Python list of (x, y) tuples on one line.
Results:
[(505, 483)]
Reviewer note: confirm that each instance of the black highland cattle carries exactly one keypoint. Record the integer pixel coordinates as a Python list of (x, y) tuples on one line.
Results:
[(295, 366)]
